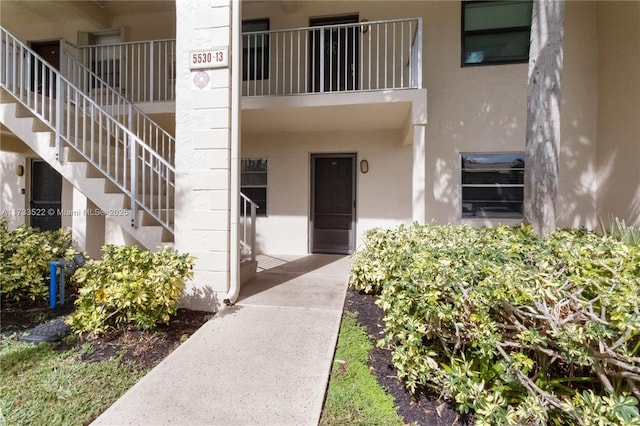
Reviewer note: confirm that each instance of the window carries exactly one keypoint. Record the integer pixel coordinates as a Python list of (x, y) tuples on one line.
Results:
[(105, 56), (492, 185), (495, 32), (253, 183), (255, 49)]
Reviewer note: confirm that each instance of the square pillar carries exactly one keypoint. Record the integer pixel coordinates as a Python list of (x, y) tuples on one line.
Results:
[(418, 176), (203, 148)]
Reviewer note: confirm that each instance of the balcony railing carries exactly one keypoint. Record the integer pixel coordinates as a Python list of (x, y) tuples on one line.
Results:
[(143, 71), (363, 56)]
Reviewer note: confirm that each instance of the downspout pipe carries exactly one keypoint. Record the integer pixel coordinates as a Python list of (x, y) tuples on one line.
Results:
[(234, 184)]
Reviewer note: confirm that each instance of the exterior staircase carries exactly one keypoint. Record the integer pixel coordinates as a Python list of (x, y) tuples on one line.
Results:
[(83, 175), (130, 178), (101, 143)]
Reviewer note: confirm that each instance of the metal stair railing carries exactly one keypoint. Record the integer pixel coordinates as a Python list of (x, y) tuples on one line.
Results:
[(81, 124), (248, 231), (118, 106)]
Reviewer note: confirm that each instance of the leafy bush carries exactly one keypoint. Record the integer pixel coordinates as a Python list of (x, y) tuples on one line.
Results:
[(25, 254), (517, 329), (620, 230), (129, 286)]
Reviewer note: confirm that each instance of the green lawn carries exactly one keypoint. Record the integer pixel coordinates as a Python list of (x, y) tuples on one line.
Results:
[(40, 385), (354, 396)]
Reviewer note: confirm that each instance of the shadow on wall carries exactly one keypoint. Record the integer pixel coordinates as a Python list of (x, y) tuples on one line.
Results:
[(608, 176), (481, 127), (203, 299), (579, 176), (485, 127), (579, 173)]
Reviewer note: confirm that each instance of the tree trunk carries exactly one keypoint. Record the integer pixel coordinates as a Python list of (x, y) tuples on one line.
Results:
[(543, 115)]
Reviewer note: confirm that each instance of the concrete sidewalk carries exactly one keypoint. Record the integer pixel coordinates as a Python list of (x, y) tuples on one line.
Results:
[(264, 361)]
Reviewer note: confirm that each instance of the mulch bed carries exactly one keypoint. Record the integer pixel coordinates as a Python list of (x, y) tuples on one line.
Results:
[(144, 349), (426, 408)]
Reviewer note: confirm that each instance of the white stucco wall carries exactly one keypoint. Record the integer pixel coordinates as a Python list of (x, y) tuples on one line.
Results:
[(618, 106), (383, 195), (483, 108), (578, 170), (50, 20), (12, 186)]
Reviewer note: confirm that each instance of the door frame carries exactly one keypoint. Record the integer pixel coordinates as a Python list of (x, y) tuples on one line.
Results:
[(354, 185), (314, 58), (44, 210), (35, 45)]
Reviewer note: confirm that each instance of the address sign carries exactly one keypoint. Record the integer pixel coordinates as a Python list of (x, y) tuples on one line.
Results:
[(218, 57)]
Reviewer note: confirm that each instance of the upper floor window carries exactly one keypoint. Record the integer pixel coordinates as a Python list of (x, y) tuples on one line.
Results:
[(495, 32), (492, 185), (255, 49)]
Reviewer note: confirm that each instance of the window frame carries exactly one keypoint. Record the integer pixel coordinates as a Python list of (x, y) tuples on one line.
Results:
[(107, 68), (461, 157), (262, 210), (490, 31), (248, 52)]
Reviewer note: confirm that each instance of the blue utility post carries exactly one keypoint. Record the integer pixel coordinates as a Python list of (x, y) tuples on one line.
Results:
[(53, 283)]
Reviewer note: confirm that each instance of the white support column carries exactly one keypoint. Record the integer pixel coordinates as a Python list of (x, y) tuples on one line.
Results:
[(419, 173), (416, 135), (203, 150), (85, 221)]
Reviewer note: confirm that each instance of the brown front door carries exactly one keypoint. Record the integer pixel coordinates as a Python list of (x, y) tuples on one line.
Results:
[(46, 196), (334, 55), (42, 80), (333, 203)]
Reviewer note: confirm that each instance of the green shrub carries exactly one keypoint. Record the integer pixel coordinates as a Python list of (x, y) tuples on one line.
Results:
[(514, 328), (25, 254), (129, 286), (620, 230), (373, 267)]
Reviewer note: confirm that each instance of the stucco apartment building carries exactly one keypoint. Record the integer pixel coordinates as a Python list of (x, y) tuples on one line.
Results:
[(168, 122)]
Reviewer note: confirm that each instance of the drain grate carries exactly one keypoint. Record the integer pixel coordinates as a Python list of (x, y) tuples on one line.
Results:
[(51, 331)]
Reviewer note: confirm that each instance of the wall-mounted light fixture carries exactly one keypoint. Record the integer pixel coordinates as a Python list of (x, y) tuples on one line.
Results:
[(364, 166), (19, 170)]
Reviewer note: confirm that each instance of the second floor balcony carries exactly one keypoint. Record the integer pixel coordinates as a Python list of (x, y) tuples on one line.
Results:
[(363, 56), (356, 57)]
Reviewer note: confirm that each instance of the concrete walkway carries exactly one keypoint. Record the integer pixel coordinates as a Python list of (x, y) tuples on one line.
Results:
[(264, 361)]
